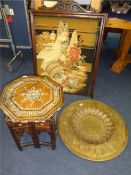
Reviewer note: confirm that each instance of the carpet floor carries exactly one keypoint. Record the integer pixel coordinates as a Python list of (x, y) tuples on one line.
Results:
[(110, 88)]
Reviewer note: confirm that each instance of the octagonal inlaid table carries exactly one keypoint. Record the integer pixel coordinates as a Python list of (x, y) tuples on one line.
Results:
[(30, 104)]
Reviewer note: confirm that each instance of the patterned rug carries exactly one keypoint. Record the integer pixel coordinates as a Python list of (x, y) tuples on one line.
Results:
[(92, 130)]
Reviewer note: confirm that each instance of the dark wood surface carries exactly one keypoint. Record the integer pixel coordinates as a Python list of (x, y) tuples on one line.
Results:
[(17, 130)]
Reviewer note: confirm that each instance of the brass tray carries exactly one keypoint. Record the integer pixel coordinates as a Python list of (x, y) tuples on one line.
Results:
[(92, 130)]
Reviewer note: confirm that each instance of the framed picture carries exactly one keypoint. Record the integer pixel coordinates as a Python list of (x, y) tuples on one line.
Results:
[(66, 47)]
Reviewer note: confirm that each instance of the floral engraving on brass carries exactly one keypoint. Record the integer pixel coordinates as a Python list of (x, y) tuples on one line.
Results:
[(93, 130)]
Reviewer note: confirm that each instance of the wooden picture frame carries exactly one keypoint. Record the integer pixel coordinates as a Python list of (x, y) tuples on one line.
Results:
[(66, 46)]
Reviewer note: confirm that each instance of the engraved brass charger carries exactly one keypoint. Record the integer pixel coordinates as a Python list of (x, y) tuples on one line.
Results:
[(92, 130)]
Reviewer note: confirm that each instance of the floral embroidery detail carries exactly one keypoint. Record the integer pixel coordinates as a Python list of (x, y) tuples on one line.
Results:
[(74, 53)]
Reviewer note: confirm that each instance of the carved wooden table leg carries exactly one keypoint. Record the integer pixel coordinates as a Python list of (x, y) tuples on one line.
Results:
[(53, 136), (35, 136), (123, 57), (16, 135)]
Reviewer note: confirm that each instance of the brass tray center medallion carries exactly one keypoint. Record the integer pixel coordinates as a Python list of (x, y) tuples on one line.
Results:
[(92, 125)]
